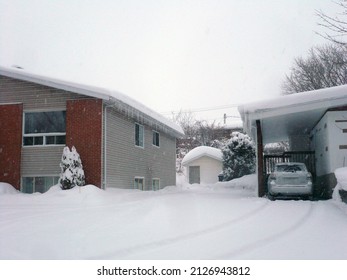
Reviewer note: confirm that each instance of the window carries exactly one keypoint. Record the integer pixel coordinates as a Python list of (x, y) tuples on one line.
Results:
[(38, 184), (155, 184), (139, 135), (139, 183), (155, 138), (44, 128)]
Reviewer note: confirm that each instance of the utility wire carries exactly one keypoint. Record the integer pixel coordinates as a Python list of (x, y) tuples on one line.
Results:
[(205, 109)]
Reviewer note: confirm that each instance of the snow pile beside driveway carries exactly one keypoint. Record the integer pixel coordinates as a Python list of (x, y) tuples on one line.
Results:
[(244, 186), (341, 177)]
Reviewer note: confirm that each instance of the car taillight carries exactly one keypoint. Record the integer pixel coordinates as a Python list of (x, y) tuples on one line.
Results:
[(272, 177), (309, 177)]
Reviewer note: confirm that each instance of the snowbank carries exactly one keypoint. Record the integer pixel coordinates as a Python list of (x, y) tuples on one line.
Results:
[(6, 188), (341, 177), (245, 186)]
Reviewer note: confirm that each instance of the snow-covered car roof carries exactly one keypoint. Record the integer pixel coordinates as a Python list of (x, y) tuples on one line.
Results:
[(108, 95)]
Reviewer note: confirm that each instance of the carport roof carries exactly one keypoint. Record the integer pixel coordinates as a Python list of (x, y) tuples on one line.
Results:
[(291, 114)]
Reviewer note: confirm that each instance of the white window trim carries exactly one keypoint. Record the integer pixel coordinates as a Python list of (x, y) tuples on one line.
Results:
[(154, 131), (144, 182), (44, 135), (156, 179), (143, 136)]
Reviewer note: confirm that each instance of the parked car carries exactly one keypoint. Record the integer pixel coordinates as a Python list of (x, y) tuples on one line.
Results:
[(290, 179)]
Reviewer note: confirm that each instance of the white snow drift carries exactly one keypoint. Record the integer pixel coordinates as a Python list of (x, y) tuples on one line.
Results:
[(221, 221)]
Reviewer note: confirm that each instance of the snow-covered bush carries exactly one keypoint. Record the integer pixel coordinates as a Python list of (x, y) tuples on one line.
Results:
[(238, 156), (72, 173)]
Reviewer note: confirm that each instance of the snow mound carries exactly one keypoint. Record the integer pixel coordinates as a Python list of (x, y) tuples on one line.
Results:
[(88, 194), (341, 177), (246, 186), (6, 188), (202, 151), (247, 182)]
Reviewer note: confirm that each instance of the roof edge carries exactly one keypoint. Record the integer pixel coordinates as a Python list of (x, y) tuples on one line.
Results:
[(92, 91)]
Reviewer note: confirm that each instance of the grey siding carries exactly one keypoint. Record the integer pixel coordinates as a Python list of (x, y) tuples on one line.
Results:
[(124, 160), (37, 160), (42, 161), (34, 96)]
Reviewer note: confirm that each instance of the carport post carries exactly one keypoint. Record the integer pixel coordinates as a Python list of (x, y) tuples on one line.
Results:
[(260, 160)]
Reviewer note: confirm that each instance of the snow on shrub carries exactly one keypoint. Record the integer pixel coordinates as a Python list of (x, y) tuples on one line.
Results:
[(72, 173), (238, 156)]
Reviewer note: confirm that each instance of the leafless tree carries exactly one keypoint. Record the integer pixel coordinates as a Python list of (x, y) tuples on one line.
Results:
[(336, 26), (325, 66)]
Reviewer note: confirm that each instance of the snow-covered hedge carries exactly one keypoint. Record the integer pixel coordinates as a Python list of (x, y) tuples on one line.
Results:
[(238, 156)]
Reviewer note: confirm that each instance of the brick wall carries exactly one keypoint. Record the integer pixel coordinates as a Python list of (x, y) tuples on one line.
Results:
[(84, 131), (11, 117)]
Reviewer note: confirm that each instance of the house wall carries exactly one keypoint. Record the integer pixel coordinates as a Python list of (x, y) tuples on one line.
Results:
[(10, 151), (320, 144), (84, 131), (39, 160), (299, 142), (209, 169), (329, 138), (124, 160), (337, 133)]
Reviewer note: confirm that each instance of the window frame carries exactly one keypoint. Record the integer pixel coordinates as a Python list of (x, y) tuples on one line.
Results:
[(155, 138), (138, 142), (44, 135), (155, 180), (55, 181), (136, 186)]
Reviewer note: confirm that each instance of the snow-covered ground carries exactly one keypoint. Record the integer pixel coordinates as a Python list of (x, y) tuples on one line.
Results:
[(220, 221)]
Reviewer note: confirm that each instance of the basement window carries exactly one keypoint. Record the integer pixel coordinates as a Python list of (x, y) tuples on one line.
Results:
[(139, 183), (155, 184), (44, 128), (38, 184)]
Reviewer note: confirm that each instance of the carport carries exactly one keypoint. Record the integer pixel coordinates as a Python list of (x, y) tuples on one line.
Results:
[(295, 118)]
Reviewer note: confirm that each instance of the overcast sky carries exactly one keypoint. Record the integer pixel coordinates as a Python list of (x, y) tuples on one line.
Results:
[(168, 54)]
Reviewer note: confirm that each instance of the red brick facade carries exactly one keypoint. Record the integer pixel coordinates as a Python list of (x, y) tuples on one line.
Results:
[(84, 131), (11, 118)]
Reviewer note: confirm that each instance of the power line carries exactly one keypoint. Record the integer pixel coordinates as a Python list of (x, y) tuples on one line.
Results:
[(198, 110)]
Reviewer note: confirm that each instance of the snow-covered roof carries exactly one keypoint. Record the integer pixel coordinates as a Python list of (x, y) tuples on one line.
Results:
[(109, 95), (201, 151), (290, 114)]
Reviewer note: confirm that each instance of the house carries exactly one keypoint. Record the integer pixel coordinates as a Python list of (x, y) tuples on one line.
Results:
[(121, 142), (314, 123), (203, 165)]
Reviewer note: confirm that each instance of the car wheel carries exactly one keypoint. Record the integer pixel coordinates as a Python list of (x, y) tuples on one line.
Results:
[(270, 197)]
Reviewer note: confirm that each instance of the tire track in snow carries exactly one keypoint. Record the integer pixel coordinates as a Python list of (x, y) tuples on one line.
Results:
[(176, 239), (269, 239)]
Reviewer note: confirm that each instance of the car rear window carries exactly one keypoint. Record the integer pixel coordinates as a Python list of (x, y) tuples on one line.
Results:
[(290, 168)]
